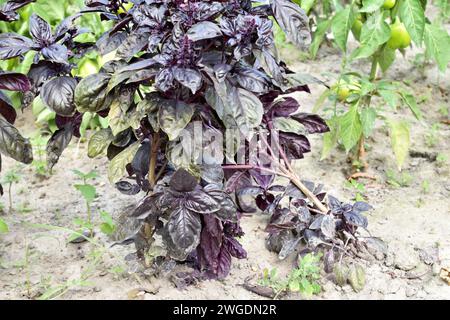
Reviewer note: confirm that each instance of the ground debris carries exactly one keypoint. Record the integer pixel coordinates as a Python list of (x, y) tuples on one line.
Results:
[(260, 290)]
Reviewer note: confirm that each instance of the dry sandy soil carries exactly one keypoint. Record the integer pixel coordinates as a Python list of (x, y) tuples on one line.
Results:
[(34, 261)]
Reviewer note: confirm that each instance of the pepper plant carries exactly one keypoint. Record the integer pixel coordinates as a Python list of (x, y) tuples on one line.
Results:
[(178, 68), (382, 27)]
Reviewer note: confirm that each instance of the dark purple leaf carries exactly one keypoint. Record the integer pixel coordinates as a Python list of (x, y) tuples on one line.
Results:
[(14, 81), (58, 95), (6, 108), (200, 202), (13, 144), (56, 53), (183, 181), (189, 78), (13, 45), (184, 227), (294, 145), (203, 30), (57, 144), (128, 188), (354, 218), (284, 108), (312, 122), (40, 30)]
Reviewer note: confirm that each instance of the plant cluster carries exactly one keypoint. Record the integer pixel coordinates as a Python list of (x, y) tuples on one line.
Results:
[(381, 27), (178, 66)]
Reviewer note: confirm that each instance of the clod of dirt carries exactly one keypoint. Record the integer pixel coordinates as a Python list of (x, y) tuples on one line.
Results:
[(405, 257), (376, 247), (429, 255), (259, 290), (411, 291), (430, 156)]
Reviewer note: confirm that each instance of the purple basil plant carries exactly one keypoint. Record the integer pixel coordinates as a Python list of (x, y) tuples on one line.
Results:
[(180, 68)]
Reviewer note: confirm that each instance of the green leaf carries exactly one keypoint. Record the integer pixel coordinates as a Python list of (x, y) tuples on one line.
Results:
[(99, 142), (330, 138), (374, 33), (3, 226), (174, 116), (87, 191), (106, 217), (350, 128), (118, 121), (318, 36), (106, 229), (390, 97), (413, 17), (437, 42), (307, 5), (341, 25), (400, 141), (412, 104), (116, 169), (368, 117), (386, 58), (357, 278), (371, 5), (289, 125)]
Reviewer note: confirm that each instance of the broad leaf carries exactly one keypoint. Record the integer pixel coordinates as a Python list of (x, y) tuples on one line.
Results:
[(204, 30), (184, 227), (437, 42), (294, 22), (117, 166), (400, 141), (58, 95), (174, 116), (14, 81), (341, 25), (413, 17), (57, 144), (13, 144), (374, 33), (99, 142), (350, 128)]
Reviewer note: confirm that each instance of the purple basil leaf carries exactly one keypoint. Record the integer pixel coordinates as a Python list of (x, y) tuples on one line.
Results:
[(184, 227), (56, 53), (203, 30), (128, 188), (200, 202), (361, 206), (13, 144), (146, 207), (6, 108), (294, 145), (354, 218), (57, 144), (183, 181), (40, 30), (235, 248), (14, 81), (312, 122), (189, 78), (284, 108), (58, 95), (13, 45)]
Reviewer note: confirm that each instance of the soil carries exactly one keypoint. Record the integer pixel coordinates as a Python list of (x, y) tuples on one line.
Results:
[(413, 220)]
